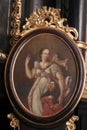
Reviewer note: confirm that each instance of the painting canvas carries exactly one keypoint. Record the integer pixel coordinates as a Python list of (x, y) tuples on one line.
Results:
[(44, 74)]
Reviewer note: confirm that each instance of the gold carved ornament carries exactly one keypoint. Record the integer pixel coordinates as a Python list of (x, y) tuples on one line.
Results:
[(82, 45), (44, 17), (70, 124), (14, 123), (16, 22), (48, 17)]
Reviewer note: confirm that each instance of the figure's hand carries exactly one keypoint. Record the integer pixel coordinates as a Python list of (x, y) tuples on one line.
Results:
[(36, 64), (27, 60)]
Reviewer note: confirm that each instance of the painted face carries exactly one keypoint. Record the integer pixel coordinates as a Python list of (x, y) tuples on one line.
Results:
[(52, 86), (45, 55)]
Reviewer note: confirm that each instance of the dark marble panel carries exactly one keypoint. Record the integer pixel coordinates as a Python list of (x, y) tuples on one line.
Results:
[(5, 107), (78, 17), (5, 8)]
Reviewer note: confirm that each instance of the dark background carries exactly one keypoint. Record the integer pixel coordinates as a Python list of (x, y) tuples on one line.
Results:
[(76, 13)]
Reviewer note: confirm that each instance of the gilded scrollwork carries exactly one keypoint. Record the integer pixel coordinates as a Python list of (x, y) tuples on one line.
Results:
[(82, 44), (48, 17), (16, 22), (14, 123), (70, 124), (3, 56), (42, 17)]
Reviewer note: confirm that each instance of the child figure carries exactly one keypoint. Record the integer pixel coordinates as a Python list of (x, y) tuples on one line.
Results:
[(56, 60), (49, 107)]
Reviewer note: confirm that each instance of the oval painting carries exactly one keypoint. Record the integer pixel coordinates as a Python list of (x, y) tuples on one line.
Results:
[(44, 76)]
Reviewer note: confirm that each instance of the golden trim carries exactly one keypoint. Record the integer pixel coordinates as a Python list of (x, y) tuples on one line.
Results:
[(16, 15), (70, 124), (14, 123), (84, 95), (82, 44), (48, 17), (3, 56)]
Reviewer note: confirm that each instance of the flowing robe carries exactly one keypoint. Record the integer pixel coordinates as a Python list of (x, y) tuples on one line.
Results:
[(40, 86)]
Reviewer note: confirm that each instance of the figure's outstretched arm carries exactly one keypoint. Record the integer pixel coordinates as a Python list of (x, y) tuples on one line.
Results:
[(27, 67)]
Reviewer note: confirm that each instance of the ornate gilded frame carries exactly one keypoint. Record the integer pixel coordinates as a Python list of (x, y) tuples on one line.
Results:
[(44, 17)]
